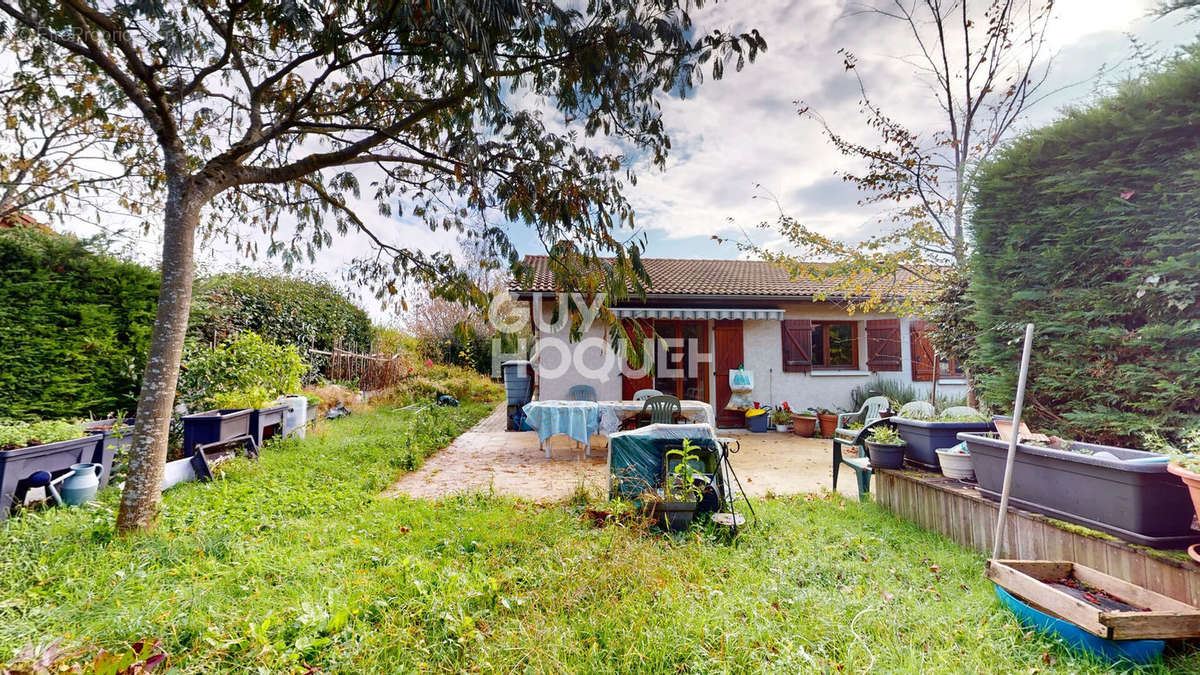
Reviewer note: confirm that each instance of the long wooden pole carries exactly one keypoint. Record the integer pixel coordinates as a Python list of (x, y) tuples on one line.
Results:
[(1012, 441)]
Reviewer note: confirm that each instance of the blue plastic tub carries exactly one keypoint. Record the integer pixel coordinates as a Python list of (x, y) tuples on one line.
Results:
[(1139, 652)]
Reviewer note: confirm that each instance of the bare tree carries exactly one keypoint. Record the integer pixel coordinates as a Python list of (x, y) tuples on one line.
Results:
[(985, 65), (257, 112)]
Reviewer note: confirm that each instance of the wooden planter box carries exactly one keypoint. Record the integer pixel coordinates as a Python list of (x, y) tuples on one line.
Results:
[(56, 458), (1147, 615)]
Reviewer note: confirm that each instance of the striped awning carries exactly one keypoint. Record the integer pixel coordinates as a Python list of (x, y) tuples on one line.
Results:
[(697, 313)]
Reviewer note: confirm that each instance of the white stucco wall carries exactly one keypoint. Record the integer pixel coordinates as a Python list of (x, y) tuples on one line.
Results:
[(763, 351), (561, 364), (591, 361)]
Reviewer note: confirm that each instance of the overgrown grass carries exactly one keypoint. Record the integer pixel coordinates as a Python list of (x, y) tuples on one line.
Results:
[(295, 562)]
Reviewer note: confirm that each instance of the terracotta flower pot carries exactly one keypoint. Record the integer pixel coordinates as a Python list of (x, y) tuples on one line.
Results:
[(1190, 479), (804, 425), (828, 424)]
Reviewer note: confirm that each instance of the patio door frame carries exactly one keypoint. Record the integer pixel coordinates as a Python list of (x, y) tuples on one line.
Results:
[(673, 328)]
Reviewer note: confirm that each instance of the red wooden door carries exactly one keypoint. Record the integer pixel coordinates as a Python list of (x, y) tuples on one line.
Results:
[(727, 356)]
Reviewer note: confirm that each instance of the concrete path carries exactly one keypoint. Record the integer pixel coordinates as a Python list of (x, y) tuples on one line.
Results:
[(487, 457)]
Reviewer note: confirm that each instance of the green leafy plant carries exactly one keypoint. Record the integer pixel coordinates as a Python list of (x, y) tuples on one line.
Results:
[(254, 397), (780, 416), (307, 312), (680, 485), (961, 414), (14, 435), (884, 435), (246, 364)]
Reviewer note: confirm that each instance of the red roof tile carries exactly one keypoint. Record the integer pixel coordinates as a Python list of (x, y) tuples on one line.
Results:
[(681, 276)]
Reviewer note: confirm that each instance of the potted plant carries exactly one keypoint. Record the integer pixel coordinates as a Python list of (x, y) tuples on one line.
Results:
[(1124, 492), (925, 433), (956, 462), (804, 424), (757, 420), (680, 494), (885, 448), (51, 446), (828, 421), (780, 418)]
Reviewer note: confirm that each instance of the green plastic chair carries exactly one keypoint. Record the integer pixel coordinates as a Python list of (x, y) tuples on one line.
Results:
[(861, 465), (871, 410), (661, 409), (582, 392)]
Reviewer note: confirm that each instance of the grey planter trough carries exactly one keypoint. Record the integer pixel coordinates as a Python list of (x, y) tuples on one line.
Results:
[(1131, 497), (214, 426), (267, 422), (17, 465), (924, 437)]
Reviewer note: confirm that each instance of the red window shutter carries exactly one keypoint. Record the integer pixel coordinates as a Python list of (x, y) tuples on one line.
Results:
[(922, 352), (797, 345), (883, 345)]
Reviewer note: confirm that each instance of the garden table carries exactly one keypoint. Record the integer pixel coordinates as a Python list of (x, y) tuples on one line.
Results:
[(576, 419), (581, 419)]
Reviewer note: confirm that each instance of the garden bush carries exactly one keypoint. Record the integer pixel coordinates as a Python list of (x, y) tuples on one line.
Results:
[(244, 370), (74, 326), (1090, 229), (303, 311)]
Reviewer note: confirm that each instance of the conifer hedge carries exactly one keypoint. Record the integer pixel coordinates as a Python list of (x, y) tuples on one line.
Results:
[(1090, 228), (74, 327)]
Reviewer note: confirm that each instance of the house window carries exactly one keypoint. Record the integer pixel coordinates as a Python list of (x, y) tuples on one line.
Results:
[(835, 345)]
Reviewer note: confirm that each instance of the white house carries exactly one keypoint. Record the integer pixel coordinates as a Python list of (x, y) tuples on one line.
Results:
[(716, 315)]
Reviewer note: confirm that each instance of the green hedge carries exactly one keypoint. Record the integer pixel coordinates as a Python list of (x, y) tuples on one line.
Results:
[(74, 327), (1090, 228), (290, 310)]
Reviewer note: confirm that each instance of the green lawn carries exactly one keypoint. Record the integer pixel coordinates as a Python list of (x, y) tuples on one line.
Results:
[(294, 562)]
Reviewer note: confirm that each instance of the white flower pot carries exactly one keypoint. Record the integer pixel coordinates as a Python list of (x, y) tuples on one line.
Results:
[(781, 428), (956, 464)]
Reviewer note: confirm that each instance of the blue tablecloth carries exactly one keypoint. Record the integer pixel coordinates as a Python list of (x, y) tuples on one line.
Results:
[(577, 419)]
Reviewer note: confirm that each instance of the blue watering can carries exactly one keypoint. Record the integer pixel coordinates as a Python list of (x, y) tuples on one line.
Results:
[(82, 484)]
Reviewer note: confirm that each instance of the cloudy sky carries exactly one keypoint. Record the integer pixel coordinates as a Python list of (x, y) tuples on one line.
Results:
[(740, 152)]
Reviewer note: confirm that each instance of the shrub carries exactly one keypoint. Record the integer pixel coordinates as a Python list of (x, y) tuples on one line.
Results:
[(463, 384), (74, 326), (1090, 229), (248, 367), (306, 312)]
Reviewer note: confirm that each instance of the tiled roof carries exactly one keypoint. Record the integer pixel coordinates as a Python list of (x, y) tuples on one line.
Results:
[(681, 276)]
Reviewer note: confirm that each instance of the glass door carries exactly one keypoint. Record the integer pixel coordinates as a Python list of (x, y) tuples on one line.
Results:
[(682, 360)]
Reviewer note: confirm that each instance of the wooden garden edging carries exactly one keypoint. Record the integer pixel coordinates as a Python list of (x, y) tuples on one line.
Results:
[(962, 514)]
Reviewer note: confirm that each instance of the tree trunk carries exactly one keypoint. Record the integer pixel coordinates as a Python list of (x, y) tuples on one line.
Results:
[(148, 452)]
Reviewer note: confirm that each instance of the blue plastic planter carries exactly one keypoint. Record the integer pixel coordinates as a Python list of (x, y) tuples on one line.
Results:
[(1139, 652)]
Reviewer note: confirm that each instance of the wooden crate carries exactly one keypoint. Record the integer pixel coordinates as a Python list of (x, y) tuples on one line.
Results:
[(1030, 580)]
